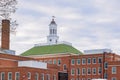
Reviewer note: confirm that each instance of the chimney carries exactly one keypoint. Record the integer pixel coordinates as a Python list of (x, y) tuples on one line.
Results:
[(5, 43)]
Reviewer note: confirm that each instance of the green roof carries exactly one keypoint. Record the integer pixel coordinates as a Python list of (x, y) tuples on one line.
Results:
[(51, 49)]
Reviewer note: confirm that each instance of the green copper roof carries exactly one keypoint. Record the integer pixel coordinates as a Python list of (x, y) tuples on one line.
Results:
[(51, 49)]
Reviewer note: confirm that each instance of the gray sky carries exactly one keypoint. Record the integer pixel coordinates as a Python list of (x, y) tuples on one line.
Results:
[(87, 24)]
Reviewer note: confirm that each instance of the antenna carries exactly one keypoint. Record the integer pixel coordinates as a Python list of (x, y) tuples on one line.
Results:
[(7, 7)]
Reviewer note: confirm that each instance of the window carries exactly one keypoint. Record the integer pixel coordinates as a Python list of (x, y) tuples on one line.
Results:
[(42, 76), (83, 79), (88, 79), (99, 60), (48, 77), (83, 71), (94, 70), (50, 61), (9, 75), (54, 61), (94, 61), (105, 75), (72, 61), (113, 78), (72, 71), (54, 77), (72, 79), (99, 70), (83, 60), (78, 71), (17, 76), (89, 60), (77, 78), (59, 62), (29, 75), (36, 76), (50, 31), (78, 61), (105, 65), (64, 67), (89, 71), (114, 70), (2, 75)]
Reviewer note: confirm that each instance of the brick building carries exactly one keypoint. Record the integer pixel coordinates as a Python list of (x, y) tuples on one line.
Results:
[(99, 63), (56, 60)]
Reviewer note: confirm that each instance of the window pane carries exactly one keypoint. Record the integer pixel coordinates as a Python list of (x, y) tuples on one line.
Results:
[(2, 76), (94, 60), (59, 61), (83, 60), (113, 70), (17, 76), (9, 75), (78, 61), (29, 75), (89, 60), (72, 61), (42, 76)]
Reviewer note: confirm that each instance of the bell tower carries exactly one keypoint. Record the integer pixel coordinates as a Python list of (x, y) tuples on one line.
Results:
[(52, 38)]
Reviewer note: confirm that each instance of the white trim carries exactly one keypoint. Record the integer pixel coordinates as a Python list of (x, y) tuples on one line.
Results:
[(8, 59), (16, 75), (9, 75), (87, 61), (90, 71), (77, 61), (1, 75), (29, 77)]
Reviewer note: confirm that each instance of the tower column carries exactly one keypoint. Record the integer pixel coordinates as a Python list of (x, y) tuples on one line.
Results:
[(5, 43)]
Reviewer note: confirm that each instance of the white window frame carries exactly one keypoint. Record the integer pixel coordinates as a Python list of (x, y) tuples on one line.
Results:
[(54, 77), (2, 76), (72, 60), (98, 60), (17, 77), (47, 76), (54, 61), (93, 71), (77, 71), (99, 70), (59, 63), (93, 60), (114, 78), (73, 71), (90, 60), (64, 67), (77, 61), (29, 75), (90, 71), (9, 75), (83, 71), (83, 59), (114, 70), (36, 76), (42, 76)]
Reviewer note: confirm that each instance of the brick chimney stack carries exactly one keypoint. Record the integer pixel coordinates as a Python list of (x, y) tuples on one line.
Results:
[(5, 43)]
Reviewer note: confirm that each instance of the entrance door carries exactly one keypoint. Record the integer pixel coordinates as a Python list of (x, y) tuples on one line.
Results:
[(62, 76)]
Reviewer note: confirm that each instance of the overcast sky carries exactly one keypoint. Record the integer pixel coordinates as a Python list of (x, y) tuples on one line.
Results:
[(87, 24)]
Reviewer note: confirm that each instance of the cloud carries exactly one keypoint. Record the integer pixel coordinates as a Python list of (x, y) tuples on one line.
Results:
[(88, 24)]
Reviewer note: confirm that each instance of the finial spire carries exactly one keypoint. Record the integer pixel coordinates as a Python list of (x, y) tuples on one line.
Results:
[(53, 17)]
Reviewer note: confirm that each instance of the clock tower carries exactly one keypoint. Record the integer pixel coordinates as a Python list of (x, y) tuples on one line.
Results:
[(52, 38)]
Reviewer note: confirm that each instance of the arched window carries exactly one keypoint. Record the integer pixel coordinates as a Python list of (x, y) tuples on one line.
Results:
[(64, 67), (36, 76)]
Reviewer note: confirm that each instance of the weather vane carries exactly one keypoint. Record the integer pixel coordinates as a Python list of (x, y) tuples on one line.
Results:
[(6, 8)]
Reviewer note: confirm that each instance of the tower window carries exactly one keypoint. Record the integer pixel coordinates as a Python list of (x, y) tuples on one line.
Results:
[(50, 40)]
